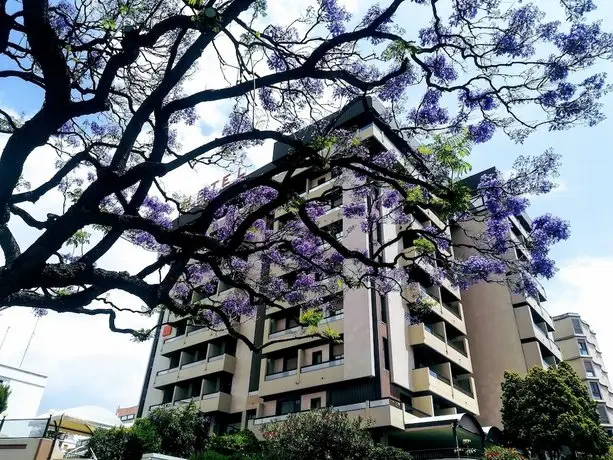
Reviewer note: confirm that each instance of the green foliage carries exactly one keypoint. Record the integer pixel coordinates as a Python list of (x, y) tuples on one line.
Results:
[(243, 442), (182, 430), (549, 409), (388, 453), (5, 392), (311, 317), (397, 50), (502, 453), (80, 238), (424, 245), (324, 434), (125, 443)]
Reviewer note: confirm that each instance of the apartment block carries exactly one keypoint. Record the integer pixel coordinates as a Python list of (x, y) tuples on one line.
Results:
[(507, 331), (384, 367), (580, 349), (27, 389)]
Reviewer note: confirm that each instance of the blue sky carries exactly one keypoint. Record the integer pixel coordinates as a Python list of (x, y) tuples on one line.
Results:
[(87, 364)]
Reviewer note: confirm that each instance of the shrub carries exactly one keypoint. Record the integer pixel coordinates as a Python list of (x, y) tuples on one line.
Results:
[(503, 453), (243, 442)]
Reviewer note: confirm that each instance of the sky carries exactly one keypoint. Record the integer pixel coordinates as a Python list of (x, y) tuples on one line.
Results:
[(87, 364)]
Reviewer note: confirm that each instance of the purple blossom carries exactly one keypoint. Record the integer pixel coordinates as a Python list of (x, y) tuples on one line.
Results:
[(391, 198), (354, 210), (315, 210), (482, 132), (393, 90), (267, 99), (334, 16), (441, 69), (478, 268), (481, 99), (430, 113)]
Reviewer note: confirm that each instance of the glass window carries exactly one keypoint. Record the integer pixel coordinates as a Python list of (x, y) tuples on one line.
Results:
[(589, 369), (583, 351), (595, 390), (386, 354), (317, 357), (290, 363), (338, 351), (602, 414), (383, 299), (577, 326), (315, 403)]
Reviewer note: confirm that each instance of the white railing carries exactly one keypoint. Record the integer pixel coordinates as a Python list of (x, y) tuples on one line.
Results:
[(280, 375), (324, 365), (168, 371), (193, 364)]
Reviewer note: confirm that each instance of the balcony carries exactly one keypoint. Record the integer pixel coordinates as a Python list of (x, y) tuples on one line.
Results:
[(445, 311), (193, 337), (211, 402), (420, 334), (529, 330), (335, 322), (303, 377), (214, 364), (427, 380), (541, 312), (383, 413)]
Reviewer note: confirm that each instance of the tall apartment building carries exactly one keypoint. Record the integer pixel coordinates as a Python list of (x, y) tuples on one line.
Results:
[(386, 369), (580, 349), (507, 331)]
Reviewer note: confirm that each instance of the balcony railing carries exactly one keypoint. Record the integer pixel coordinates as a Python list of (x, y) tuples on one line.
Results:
[(433, 332), (457, 347), (453, 310), (168, 371), (175, 338), (193, 364), (440, 377), (461, 389), (280, 375), (324, 365)]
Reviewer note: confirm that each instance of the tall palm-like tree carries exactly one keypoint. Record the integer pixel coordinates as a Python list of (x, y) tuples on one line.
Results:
[(5, 392)]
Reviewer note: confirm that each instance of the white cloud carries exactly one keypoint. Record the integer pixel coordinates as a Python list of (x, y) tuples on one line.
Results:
[(580, 287)]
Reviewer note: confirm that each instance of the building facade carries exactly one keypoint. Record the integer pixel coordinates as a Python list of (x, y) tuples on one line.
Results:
[(580, 349), (506, 331), (27, 389), (385, 368), (127, 415)]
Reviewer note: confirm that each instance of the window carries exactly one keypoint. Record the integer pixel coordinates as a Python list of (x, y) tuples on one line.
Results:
[(338, 351), (602, 414), (290, 364), (316, 357), (577, 326), (224, 286), (595, 390), (335, 198), (589, 369), (583, 351), (383, 299), (288, 406), (335, 229), (315, 403), (317, 181), (386, 355)]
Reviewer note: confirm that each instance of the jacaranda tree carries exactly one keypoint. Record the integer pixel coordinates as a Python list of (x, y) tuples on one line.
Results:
[(110, 77)]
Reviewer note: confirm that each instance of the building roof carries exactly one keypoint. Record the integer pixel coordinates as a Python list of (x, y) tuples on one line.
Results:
[(123, 411)]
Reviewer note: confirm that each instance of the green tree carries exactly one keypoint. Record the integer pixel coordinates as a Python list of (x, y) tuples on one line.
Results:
[(126, 443), (325, 434), (182, 431), (5, 392), (549, 409)]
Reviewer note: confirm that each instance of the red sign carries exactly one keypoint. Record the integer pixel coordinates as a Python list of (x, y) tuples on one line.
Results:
[(226, 180), (166, 330)]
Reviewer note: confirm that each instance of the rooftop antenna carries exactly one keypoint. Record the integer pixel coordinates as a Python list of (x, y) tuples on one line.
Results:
[(29, 342)]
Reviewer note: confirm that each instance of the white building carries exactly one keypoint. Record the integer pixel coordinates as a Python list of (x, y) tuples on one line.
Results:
[(27, 390)]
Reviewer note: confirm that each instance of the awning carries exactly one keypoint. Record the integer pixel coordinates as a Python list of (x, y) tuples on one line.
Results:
[(81, 420)]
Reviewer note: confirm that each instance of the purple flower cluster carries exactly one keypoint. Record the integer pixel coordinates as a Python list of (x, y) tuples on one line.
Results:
[(430, 113), (546, 231), (481, 99), (354, 210), (441, 69), (482, 132), (477, 268), (334, 16), (393, 90)]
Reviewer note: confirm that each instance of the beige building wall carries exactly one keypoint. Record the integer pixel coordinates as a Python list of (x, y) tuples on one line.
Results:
[(580, 348), (502, 331)]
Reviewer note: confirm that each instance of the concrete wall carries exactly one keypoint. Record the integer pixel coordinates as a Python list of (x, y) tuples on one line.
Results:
[(492, 335), (27, 390), (25, 448)]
